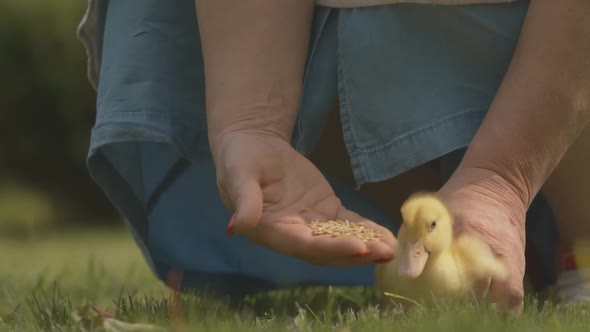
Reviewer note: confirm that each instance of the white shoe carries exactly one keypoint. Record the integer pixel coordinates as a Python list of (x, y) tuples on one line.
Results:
[(573, 288)]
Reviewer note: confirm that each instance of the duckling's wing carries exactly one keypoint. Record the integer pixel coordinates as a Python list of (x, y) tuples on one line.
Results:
[(478, 258)]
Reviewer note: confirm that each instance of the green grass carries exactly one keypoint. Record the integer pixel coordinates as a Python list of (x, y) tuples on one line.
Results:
[(43, 281)]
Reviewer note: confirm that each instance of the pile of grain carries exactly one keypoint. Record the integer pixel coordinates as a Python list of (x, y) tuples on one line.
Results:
[(342, 228)]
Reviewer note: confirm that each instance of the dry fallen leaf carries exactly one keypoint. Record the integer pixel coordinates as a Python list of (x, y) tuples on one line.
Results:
[(88, 317), (113, 325), (96, 318)]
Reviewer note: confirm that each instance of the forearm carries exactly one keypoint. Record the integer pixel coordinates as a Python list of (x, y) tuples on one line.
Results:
[(254, 56), (543, 104)]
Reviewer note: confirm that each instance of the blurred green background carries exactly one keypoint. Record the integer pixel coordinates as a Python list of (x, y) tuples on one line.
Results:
[(47, 110)]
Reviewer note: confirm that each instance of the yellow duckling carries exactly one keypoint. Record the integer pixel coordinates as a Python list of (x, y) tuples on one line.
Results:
[(430, 262)]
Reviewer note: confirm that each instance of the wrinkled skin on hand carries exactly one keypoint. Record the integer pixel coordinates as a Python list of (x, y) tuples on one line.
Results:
[(273, 191), (484, 205)]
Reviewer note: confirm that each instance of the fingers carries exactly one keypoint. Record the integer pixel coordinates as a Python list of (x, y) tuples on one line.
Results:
[(382, 250), (375, 251), (296, 239), (244, 197), (387, 237), (481, 288), (508, 296), (323, 246), (292, 236), (371, 252), (509, 293)]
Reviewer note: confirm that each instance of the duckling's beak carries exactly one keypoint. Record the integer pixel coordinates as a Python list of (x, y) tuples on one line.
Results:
[(413, 260)]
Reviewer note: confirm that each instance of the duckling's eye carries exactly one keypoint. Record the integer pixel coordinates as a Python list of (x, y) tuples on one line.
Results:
[(433, 225)]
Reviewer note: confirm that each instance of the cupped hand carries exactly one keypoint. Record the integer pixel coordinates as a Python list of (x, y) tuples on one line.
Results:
[(484, 205), (273, 192)]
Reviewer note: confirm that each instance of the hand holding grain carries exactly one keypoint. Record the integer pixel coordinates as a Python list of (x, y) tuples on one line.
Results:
[(276, 195)]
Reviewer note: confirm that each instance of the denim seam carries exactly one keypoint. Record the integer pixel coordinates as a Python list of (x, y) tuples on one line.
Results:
[(150, 127), (345, 110), (366, 157), (306, 75), (128, 112), (406, 136), (131, 116), (101, 136)]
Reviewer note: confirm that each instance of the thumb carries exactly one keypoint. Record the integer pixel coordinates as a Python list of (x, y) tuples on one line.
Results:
[(245, 197)]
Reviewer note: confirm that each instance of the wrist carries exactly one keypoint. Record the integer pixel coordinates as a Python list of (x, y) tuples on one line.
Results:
[(487, 184), (271, 122), (515, 178), (244, 133)]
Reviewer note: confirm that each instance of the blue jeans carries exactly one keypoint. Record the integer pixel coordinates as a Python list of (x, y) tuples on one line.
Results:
[(413, 82)]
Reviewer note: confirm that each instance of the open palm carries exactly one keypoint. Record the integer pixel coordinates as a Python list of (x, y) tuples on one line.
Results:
[(274, 192)]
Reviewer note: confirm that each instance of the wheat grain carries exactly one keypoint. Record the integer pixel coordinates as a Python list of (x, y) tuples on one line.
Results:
[(343, 228)]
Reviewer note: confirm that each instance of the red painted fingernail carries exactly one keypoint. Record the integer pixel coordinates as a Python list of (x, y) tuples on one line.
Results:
[(362, 254), (229, 231), (383, 260)]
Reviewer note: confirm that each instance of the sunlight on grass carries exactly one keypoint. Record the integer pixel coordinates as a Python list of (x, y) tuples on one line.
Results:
[(43, 281), (93, 265)]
